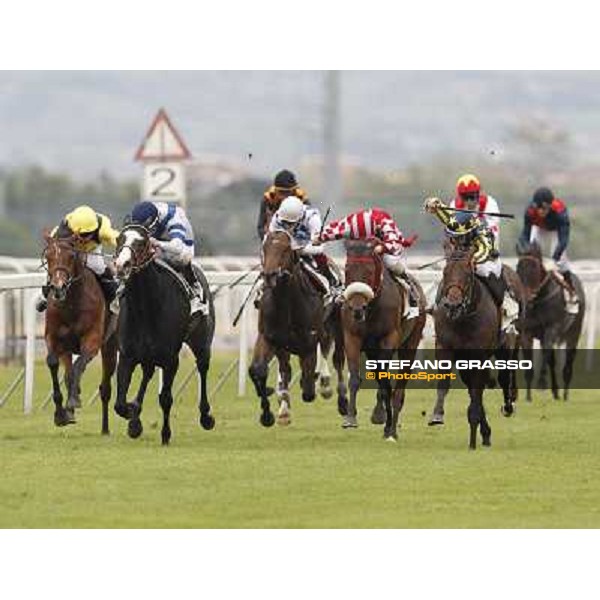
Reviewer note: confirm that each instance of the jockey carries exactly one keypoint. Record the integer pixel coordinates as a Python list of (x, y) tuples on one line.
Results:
[(469, 231), (91, 231), (547, 218), (284, 185), (173, 237), (303, 224), (375, 222), (470, 196)]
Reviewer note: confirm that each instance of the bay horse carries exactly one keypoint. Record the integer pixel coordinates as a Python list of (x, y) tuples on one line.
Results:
[(291, 320), (373, 322), (154, 323), (467, 324), (547, 319), (77, 321)]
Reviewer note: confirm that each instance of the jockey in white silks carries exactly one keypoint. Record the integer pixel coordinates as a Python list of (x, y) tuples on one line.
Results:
[(172, 235), (303, 224)]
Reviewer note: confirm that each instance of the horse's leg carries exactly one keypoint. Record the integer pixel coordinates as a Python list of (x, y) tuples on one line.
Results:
[(352, 344), (567, 372), (504, 379), (389, 346), (259, 371), (166, 398), (125, 368), (135, 427), (61, 417), (308, 362), (207, 421), (283, 392), (552, 367), (66, 358), (527, 347), (325, 389), (338, 362), (378, 415), (109, 364), (442, 389)]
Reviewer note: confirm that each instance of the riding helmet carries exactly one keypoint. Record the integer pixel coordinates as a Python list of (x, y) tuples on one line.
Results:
[(145, 214), (82, 220), (467, 184), (285, 180), (542, 196)]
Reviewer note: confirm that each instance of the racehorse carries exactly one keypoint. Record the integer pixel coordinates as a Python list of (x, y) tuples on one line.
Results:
[(547, 319), (77, 321), (373, 322), (467, 327), (154, 323), (291, 321)]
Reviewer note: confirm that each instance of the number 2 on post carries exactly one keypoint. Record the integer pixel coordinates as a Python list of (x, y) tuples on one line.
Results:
[(168, 176)]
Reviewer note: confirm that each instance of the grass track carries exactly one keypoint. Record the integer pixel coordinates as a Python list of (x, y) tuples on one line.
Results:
[(542, 470)]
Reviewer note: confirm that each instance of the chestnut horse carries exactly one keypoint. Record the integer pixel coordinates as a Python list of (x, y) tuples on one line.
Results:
[(373, 322), (467, 326), (76, 323), (291, 320)]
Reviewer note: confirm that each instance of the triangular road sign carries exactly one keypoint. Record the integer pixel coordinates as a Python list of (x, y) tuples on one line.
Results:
[(162, 142)]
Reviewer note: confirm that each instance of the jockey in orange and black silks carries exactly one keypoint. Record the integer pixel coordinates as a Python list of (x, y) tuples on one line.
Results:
[(284, 185)]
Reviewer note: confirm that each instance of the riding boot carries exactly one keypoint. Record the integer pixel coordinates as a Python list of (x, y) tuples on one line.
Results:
[(42, 302), (109, 287), (403, 279), (572, 301), (198, 303), (497, 287)]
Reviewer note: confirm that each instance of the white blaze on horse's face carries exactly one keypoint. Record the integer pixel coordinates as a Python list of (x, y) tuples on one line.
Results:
[(125, 254)]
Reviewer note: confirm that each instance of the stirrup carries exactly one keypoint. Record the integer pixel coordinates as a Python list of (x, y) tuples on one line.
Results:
[(41, 304), (197, 306), (572, 305)]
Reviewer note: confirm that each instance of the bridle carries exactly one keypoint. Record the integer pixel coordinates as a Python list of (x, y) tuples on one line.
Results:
[(376, 283), (70, 278), (465, 307), (545, 279), (281, 272), (141, 257)]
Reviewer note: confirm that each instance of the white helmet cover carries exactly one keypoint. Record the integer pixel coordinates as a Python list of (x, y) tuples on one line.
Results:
[(291, 209)]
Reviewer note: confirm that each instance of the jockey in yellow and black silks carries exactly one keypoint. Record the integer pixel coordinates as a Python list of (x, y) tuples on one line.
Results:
[(284, 186), (90, 231)]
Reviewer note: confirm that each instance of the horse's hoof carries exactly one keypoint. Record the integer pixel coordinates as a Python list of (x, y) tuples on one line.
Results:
[(435, 420), (308, 397), (75, 402), (267, 419), (284, 420), (507, 412), (343, 406), (62, 418), (486, 442), (134, 428), (207, 421), (350, 423), (378, 416), (326, 393), (391, 438), (121, 410)]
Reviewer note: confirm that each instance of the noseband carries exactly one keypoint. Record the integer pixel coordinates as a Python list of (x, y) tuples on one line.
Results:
[(142, 257), (71, 278)]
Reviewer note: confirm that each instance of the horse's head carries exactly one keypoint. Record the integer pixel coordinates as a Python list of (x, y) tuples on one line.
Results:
[(64, 264), (364, 273), (457, 281), (134, 251), (278, 258), (530, 269)]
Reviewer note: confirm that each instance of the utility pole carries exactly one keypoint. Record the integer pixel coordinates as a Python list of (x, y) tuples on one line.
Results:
[(331, 187)]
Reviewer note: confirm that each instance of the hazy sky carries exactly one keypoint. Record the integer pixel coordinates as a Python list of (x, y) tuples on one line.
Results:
[(82, 122)]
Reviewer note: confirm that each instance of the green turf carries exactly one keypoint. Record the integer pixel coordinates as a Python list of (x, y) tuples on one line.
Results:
[(542, 470)]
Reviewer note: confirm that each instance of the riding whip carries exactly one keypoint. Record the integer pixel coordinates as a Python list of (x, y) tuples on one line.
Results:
[(246, 299), (240, 279), (435, 262), (483, 214)]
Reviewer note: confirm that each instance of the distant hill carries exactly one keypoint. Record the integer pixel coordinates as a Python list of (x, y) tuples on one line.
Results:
[(84, 122)]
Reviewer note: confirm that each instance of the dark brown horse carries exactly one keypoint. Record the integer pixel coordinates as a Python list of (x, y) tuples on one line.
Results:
[(373, 322), (291, 321), (76, 323), (547, 319), (467, 327)]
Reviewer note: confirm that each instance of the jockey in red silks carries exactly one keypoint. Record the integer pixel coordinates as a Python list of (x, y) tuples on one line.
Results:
[(377, 223)]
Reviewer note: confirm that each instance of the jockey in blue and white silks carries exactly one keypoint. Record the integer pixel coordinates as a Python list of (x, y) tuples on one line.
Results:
[(173, 236)]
